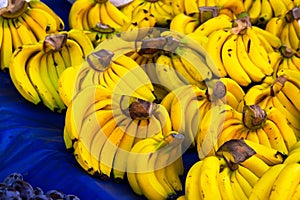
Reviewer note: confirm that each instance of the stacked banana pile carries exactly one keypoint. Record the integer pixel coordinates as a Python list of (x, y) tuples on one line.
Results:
[(143, 82)]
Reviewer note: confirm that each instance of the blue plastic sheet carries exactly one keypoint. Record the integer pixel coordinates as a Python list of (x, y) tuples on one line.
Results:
[(31, 143)]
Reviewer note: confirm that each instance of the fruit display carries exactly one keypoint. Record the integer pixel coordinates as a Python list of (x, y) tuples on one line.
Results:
[(143, 83)]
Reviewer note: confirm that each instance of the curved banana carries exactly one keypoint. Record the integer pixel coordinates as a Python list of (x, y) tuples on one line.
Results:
[(231, 63), (18, 74), (192, 190), (224, 184), (77, 13), (6, 46)]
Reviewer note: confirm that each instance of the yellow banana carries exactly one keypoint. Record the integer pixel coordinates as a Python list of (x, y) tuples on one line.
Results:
[(263, 187), (77, 13), (181, 21), (75, 49), (285, 36), (275, 25), (254, 11), (256, 51), (231, 63), (192, 190), (33, 70), (293, 156), (81, 38), (244, 183), (25, 31), (271, 38), (248, 175), (266, 12), (224, 184), (16, 41), (93, 16), (214, 48), (286, 182), (293, 36), (6, 46), (254, 72), (256, 165), (41, 5), (209, 174), (279, 8), (116, 15), (238, 191), (178, 6), (292, 92), (45, 20), (191, 7), (223, 22)]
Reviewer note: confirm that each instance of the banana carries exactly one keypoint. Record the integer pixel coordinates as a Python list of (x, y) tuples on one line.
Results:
[(192, 190), (166, 73), (292, 92), (25, 31), (256, 165), (66, 56), (16, 41), (209, 174), (48, 75), (59, 63), (77, 13), (38, 31), (231, 63), (18, 74), (223, 22), (286, 182), (181, 22), (271, 38), (293, 36), (6, 46), (285, 36), (237, 7), (224, 184), (81, 38), (34, 74), (110, 147), (254, 72), (43, 6), (254, 11), (194, 62), (248, 175), (263, 187), (293, 157), (66, 83), (214, 48), (279, 8), (266, 13), (275, 25), (278, 118), (93, 16), (191, 7), (232, 87), (256, 51), (75, 49), (120, 160), (270, 156), (236, 187), (116, 15), (162, 12), (244, 183), (178, 6), (45, 20)]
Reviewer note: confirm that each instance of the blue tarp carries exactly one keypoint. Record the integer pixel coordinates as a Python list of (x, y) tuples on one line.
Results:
[(31, 143)]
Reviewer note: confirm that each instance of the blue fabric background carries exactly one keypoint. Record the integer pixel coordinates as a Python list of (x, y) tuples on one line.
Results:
[(31, 143)]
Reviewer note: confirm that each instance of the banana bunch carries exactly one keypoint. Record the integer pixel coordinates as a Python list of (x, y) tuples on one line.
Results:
[(161, 11), (233, 172), (262, 11), (155, 166), (86, 14), (102, 126), (285, 58), (25, 22), (278, 182), (267, 127), (231, 8), (286, 27), (280, 93), (240, 52), (119, 73), (35, 68)]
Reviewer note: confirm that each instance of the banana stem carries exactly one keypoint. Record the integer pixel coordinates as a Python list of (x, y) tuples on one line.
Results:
[(103, 28), (14, 8), (141, 109), (278, 85), (100, 60), (54, 42), (286, 51), (241, 24), (254, 117), (216, 91), (293, 14), (207, 12)]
